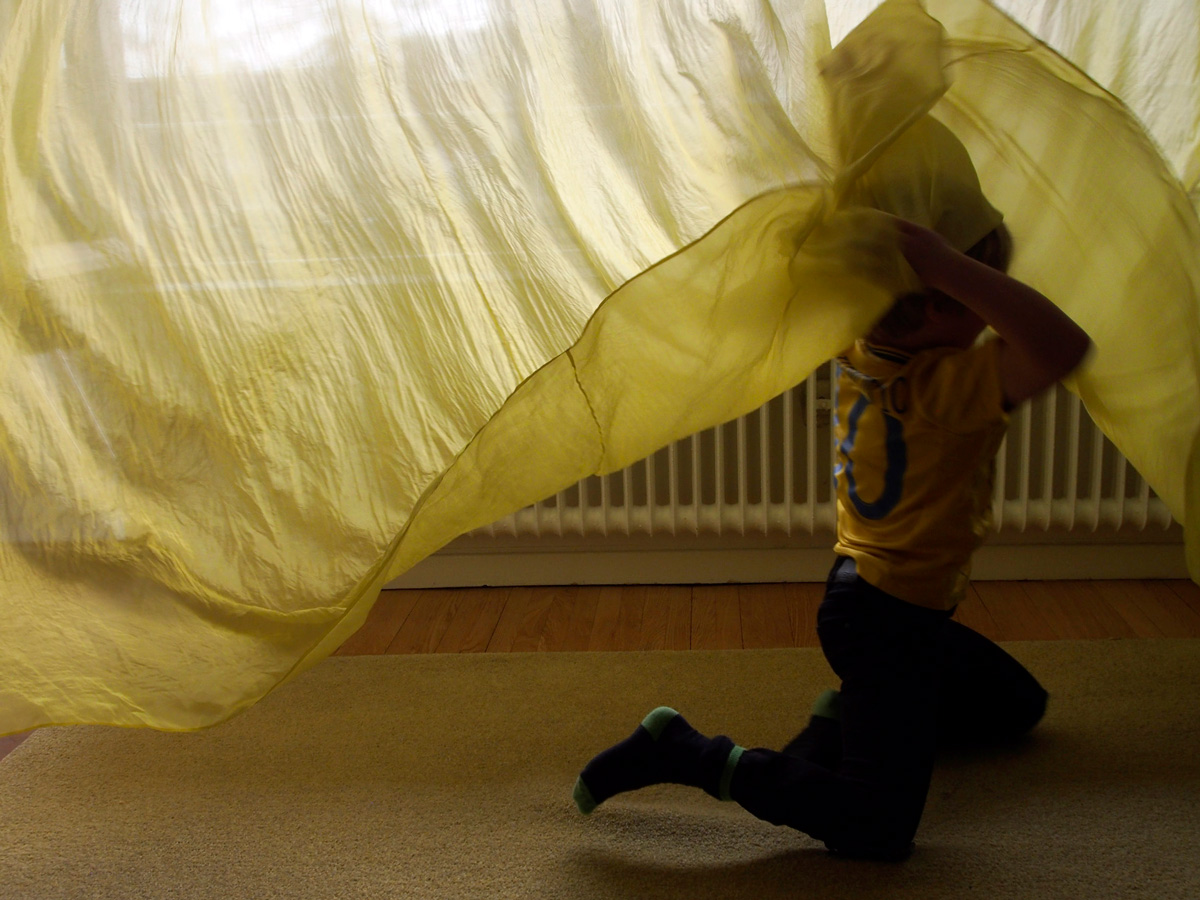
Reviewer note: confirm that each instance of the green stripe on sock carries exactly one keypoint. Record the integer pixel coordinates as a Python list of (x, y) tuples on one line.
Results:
[(583, 798), (828, 705), (727, 775), (657, 720)]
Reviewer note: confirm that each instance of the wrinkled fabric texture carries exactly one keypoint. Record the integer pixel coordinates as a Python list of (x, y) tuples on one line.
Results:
[(294, 294)]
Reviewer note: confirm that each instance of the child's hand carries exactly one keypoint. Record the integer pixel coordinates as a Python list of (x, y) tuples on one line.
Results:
[(929, 254), (859, 241), (1039, 344)]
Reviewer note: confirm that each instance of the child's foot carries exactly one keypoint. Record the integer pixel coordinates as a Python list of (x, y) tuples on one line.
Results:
[(663, 749)]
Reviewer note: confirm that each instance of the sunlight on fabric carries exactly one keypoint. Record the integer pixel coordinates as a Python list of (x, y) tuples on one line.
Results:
[(218, 36), (232, 35)]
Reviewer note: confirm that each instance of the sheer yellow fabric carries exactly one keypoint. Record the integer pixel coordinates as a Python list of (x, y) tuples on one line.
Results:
[(297, 293)]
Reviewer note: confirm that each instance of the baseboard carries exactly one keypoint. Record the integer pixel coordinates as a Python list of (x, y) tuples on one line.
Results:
[(474, 566)]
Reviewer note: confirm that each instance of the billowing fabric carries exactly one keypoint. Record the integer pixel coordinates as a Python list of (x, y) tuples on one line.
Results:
[(294, 294)]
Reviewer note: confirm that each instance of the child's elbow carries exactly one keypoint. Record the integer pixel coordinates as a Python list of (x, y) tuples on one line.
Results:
[(1024, 376)]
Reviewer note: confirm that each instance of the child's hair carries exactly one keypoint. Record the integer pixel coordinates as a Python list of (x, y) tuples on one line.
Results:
[(908, 313)]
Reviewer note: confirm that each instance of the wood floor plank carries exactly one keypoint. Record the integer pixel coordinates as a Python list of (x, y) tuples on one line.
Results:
[(506, 626), (975, 615), (1134, 602), (679, 622), (523, 621), (763, 613), (666, 618), (716, 617), (570, 618), (1174, 607), (583, 617), (428, 621), (630, 631), (1151, 608), (558, 618), (382, 624), (604, 625), (1187, 591), (1016, 618), (1077, 610), (478, 612), (736, 616), (802, 602)]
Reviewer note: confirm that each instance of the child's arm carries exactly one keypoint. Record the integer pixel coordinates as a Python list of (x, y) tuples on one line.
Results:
[(1041, 345)]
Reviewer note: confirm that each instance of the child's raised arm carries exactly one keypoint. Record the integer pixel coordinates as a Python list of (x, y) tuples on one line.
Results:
[(1041, 345)]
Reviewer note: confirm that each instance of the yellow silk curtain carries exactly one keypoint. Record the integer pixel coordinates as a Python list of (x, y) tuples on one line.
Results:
[(297, 293)]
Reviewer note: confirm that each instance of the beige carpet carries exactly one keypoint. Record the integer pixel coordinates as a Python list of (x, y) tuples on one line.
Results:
[(450, 777)]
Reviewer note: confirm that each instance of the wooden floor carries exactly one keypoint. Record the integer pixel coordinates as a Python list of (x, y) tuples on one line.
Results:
[(721, 617), (502, 620)]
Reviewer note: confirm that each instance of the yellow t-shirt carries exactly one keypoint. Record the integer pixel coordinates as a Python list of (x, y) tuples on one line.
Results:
[(917, 436)]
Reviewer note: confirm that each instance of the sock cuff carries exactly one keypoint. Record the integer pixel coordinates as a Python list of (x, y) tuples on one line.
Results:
[(727, 773), (583, 798), (828, 705)]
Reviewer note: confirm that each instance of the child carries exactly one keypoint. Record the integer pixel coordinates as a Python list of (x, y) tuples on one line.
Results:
[(922, 409)]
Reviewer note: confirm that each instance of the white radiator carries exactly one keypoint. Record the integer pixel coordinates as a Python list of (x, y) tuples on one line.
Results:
[(753, 500)]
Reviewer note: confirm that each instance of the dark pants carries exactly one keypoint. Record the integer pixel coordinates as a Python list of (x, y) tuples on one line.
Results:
[(911, 678)]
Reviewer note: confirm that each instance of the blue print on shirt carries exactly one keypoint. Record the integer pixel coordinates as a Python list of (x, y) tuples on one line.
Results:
[(897, 463)]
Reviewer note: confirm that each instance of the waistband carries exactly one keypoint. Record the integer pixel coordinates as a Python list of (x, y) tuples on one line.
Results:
[(845, 574)]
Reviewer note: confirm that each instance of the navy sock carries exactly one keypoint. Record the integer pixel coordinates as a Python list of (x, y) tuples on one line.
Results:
[(663, 749), (820, 742)]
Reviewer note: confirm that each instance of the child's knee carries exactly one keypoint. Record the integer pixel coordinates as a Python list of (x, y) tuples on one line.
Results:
[(994, 717), (883, 829), (1021, 711), (853, 817), (1029, 712)]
